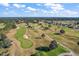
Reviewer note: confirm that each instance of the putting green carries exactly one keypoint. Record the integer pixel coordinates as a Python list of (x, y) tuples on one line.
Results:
[(25, 43)]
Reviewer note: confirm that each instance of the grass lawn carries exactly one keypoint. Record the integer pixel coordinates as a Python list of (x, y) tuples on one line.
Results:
[(25, 43), (69, 38), (53, 52), (57, 51)]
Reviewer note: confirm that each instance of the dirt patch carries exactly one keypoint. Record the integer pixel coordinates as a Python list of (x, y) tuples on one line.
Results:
[(15, 48)]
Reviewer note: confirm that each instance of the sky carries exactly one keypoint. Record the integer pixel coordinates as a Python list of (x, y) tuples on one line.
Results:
[(39, 10)]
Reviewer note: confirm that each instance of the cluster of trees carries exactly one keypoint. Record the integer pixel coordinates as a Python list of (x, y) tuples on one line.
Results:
[(46, 27), (51, 46), (60, 32), (8, 25), (4, 41), (4, 53)]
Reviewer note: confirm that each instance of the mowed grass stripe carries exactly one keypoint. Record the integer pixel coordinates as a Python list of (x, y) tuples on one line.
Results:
[(57, 51), (25, 43)]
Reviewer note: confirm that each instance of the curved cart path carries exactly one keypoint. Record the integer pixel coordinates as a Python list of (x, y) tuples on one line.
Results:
[(15, 48), (70, 53)]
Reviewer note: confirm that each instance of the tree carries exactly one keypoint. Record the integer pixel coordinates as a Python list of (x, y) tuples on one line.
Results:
[(43, 48), (77, 43), (43, 35), (2, 37), (29, 26), (4, 41), (53, 45), (49, 25), (39, 23), (14, 26), (62, 31), (46, 28)]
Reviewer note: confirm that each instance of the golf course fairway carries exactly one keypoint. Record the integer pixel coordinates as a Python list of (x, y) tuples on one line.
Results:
[(25, 43)]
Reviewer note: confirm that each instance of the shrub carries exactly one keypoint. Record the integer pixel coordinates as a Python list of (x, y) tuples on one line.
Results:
[(53, 45), (62, 31)]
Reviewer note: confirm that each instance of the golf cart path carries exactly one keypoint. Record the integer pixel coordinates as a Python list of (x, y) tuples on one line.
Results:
[(15, 48), (70, 53)]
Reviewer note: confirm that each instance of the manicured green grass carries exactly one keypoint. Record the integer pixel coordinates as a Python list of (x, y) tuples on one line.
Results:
[(57, 51), (53, 52), (25, 43)]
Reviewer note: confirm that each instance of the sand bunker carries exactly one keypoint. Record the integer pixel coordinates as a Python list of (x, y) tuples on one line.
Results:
[(17, 28), (25, 36)]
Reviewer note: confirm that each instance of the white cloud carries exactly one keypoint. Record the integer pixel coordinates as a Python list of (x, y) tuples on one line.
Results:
[(38, 4), (59, 10), (31, 9), (5, 13), (19, 5), (7, 8), (55, 7), (23, 6), (67, 13), (40, 1), (48, 4), (16, 5), (5, 4), (26, 11), (46, 11), (70, 12)]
